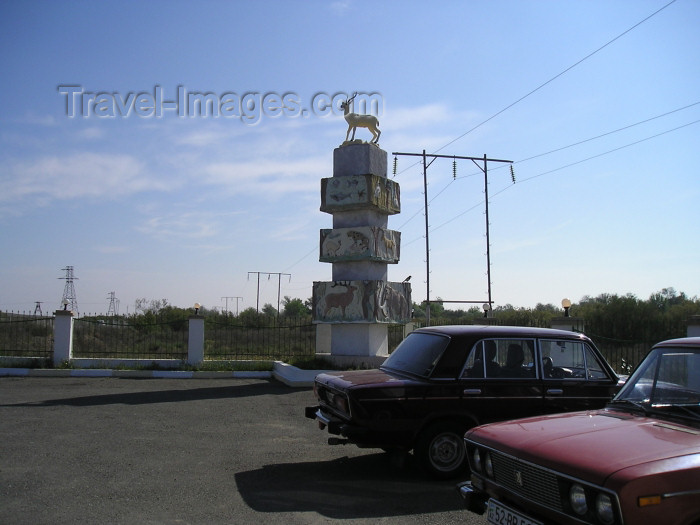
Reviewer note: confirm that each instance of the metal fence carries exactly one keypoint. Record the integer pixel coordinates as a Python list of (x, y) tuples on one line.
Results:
[(25, 335), (150, 337), (267, 339), (122, 338)]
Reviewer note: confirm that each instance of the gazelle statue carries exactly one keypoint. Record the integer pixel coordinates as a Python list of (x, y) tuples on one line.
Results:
[(362, 121)]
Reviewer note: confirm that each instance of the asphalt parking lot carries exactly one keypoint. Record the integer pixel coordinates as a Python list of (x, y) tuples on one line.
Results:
[(199, 451)]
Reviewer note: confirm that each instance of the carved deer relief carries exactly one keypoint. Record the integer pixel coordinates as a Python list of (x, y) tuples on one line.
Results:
[(355, 121), (340, 300)]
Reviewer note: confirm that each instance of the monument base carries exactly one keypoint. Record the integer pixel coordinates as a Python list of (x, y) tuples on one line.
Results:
[(359, 340)]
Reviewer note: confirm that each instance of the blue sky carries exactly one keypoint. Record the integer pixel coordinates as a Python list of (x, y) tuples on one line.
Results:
[(184, 207)]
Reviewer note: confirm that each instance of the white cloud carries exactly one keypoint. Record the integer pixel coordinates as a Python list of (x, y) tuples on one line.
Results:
[(185, 225), (268, 177), (77, 175)]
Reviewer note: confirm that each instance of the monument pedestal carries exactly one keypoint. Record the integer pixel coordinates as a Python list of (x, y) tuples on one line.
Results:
[(360, 302), (358, 339)]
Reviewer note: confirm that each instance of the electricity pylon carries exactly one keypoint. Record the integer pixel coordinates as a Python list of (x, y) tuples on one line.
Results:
[(113, 304), (69, 301)]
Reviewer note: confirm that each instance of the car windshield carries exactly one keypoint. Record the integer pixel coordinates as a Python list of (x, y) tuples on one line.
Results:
[(417, 354), (667, 382)]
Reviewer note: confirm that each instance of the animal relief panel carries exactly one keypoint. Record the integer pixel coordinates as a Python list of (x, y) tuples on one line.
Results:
[(361, 302), (360, 192), (363, 243)]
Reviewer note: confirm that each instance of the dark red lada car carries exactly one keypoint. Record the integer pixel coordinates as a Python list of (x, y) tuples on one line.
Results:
[(441, 381), (637, 461)]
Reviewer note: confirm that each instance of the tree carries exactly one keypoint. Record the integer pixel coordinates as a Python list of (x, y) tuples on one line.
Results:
[(295, 307), (250, 317), (269, 310)]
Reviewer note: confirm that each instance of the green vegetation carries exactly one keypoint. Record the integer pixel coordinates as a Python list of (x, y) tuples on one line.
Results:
[(624, 319), (623, 327)]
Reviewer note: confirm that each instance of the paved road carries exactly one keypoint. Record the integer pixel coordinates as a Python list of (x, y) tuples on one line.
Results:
[(164, 451)]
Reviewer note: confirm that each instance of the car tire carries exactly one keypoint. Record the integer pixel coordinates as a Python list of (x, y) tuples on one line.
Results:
[(440, 449)]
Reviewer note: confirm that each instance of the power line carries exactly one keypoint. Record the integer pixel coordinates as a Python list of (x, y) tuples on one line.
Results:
[(550, 80), (279, 286), (231, 297), (454, 158), (520, 100), (566, 166), (581, 161), (611, 151), (609, 132)]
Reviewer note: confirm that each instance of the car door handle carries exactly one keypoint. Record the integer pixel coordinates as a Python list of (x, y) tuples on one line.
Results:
[(555, 391), (472, 391)]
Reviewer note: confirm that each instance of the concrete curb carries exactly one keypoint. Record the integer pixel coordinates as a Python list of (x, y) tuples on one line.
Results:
[(293, 376), (287, 374)]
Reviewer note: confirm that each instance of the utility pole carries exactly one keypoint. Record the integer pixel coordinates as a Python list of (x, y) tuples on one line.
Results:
[(279, 286), (69, 300), (427, 243), (37, 308), (231, 297)]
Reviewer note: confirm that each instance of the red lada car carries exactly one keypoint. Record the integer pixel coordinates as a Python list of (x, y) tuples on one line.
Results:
[(637, 461)]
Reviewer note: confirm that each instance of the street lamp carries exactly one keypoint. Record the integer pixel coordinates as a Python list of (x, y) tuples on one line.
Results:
[(566, 304), (197, 306), (487, 308), (65, 304)]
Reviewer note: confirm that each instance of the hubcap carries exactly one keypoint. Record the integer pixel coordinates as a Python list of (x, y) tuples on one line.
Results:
[(446, 452)]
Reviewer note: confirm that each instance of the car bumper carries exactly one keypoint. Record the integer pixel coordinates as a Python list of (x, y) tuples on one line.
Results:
[(324, 421), (359, 435), (474, 500)]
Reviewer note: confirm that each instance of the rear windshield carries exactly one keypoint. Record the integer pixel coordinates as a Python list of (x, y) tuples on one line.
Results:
[(417, 354)]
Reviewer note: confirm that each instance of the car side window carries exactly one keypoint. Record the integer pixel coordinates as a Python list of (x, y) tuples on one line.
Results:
[(517, 358), (501, 358), (562, 359), (451, 362)]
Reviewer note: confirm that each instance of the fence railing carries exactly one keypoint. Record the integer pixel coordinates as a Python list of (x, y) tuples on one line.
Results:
[(25, 335), (266, 340), (121, 338), (166, 338)]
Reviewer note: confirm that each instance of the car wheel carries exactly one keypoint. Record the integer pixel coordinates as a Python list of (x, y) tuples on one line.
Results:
[(440, 449)]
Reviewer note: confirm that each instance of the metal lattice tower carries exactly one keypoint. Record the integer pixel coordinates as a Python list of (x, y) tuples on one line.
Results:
[(113, 304), (69, 301), (37, 308)]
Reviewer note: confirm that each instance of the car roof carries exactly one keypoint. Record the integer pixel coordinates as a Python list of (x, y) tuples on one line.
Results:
[(690, 342), (499, 331)]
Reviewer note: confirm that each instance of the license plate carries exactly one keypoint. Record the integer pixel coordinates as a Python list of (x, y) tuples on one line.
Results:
[(502, 515)]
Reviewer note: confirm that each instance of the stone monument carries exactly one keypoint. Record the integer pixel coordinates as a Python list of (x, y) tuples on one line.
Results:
[(360, 302)]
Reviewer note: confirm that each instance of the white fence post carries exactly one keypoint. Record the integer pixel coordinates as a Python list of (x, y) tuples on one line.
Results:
[(62, 336), (195, 340)]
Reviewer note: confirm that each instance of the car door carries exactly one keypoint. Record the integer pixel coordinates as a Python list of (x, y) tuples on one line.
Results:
[(573, 376), (500, 380)]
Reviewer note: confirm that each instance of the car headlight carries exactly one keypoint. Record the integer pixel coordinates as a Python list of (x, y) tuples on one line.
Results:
[(488, 465), (577, 499), (476, 459), (341, 403), (604, 508)]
